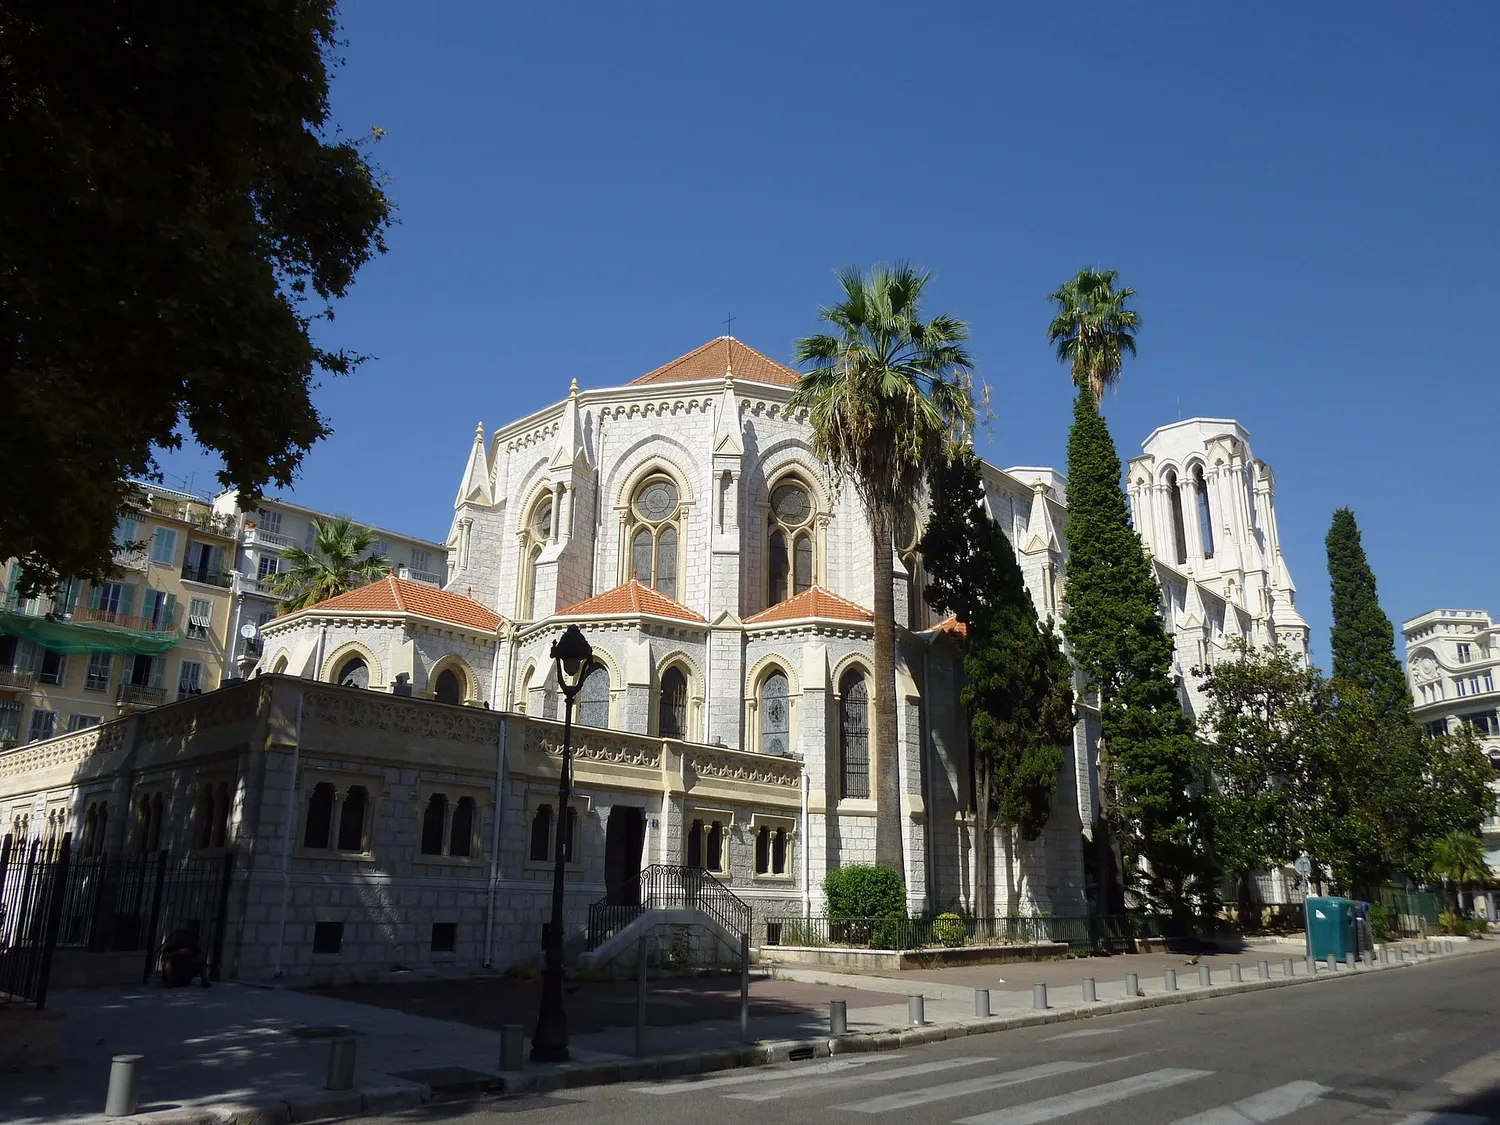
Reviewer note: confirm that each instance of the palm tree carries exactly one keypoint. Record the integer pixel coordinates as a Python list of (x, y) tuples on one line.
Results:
[(1458, 860), (885, 393), (336, 564), (1093, 329)]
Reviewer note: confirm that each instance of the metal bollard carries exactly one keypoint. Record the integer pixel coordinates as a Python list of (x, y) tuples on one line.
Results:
[(1039, 996), (1288, 967), (1265, 970), (512, 1046), (981, 1001), (1205, 975), (915, 1009), (1169, 978), (1235, 974), (340, 1065), (1132, 984), (1089, 994), (640, 996), (838, 1017), (124, 1085)]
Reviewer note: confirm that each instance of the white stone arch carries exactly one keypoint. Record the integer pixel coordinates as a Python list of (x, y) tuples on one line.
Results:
[(453, 662), (611, 665), (646, 459), (679, 658), (524, 683), (865, 665), (759, 672), (282, 657), (531, 496), (336, 658), (790, 457)]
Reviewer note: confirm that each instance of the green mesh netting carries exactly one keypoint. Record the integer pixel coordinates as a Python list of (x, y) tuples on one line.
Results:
[(85, 636)]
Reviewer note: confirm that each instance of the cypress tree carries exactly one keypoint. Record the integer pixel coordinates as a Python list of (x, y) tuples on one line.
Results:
[(1363, 640), (1018, 684), (1149, 809)]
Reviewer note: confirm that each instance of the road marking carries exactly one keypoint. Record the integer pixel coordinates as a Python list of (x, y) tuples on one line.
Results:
[(768, 1074), (1267, 1106), (909, 1098), (1426, 1118), (1048, 1109), (1098, 1031), (802, 1082)]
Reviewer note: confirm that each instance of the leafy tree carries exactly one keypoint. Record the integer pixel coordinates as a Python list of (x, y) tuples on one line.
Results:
[(1458, 860), (337, 563), (1018, 684), (1363, 639), (174, 214), (1265, 709), (1093, 330), (884, 393), (1148, 769)]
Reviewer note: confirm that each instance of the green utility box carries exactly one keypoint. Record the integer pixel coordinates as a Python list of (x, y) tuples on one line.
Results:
[(1331, 930)]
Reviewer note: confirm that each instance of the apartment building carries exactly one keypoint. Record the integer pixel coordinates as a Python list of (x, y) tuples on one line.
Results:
[(157, 631), (262, 537)]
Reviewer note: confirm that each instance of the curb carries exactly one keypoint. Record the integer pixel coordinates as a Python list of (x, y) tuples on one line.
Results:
[(319, 1105)]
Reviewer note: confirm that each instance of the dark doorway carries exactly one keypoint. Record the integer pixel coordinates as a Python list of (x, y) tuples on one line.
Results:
[(623, 840)]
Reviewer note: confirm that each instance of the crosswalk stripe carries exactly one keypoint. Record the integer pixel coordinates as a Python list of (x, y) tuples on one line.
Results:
[(1429, 1118), (915, 1071), (1266, 1106), (1048, 1109), (769, 1074), (1090, 1032), (909, 1098)]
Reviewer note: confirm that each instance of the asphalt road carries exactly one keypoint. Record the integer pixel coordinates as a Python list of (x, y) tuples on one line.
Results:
[(1419, 1046)]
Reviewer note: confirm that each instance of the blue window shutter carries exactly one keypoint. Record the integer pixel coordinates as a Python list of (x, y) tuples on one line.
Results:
[(158, 669), (171, 611), (127, 600), (96, 592), (164, 545)]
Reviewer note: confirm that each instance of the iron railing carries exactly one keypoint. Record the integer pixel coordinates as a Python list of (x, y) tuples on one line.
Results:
[(33, 878), (17, 679), (666, 887), (142, 695), (207, 577)]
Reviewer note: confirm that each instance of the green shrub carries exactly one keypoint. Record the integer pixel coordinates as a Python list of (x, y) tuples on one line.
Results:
[(890, 933), (1379, 922), (864, 892), (798, 932), (949, 930)]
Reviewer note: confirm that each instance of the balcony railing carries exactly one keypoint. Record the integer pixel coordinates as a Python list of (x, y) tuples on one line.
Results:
[(141, 695), (17, 679), (161, 623), (131, 560), (432, 578), (207, 577), (273, 538)]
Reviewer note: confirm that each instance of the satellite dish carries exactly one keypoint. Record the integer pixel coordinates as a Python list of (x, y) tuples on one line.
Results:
[(249, 631)]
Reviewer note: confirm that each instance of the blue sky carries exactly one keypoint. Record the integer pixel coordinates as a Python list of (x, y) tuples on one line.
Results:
[(1304, 197)]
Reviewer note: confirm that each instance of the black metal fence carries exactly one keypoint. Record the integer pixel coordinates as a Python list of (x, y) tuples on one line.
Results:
[(1110, 933), (33, 878), (104, 904), (665, 887)]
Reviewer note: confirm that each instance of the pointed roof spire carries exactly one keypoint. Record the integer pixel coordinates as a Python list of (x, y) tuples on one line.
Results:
[(476, 483), (569, 449), (1041, 534), (727, 437)]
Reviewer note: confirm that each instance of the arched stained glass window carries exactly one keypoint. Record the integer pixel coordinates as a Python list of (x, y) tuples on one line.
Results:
[(593, 699), (657, 508), (354, 672), (791, 562), (671, 716), (775, 714), (854, 735)]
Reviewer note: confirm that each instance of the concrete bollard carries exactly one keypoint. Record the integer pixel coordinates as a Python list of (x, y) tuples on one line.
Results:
[(124, 1085), (1312, 967), (1205, 975), (1169, 979), (1333, 964), (1039, 996), (1132, 984), (1385, 954), (1400, 954), (1265, 970), (1351, 961), (916, 1009), (838, 1017), (1288, 967), (1426, 947), (1235, 975), (1089, 995), (981, 1001), (512, 1046), (340, 1064)]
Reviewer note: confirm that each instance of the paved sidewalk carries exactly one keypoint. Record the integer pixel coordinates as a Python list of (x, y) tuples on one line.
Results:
[(253, 1056)]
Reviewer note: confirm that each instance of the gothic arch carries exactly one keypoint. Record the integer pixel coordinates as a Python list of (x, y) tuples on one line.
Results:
[(789, 458), (679, 658), (762, 668), (865, 664), (645, 458), (758, 734), (279, 663), (453, 662), (531, 489), (335, 660)]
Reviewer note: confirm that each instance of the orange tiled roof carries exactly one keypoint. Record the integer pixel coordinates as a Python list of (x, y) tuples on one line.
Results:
[(401, 595), (812, 602), (951, 624), (632, 598), (709, 361)]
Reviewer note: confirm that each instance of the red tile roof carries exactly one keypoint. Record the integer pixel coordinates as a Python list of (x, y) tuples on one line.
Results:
[(709, 362), (401, 595), (632, 598), (951, 624), (812, 602)]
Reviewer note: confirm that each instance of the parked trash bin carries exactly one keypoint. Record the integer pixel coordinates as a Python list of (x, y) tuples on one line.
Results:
[(1331, 928)]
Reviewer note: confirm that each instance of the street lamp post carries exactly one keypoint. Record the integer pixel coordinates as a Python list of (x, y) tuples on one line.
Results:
[(549, 1042)]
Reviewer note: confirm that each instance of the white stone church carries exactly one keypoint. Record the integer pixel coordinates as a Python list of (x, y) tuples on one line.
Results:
[(683, 523)]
